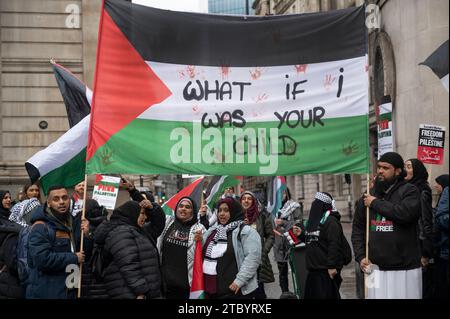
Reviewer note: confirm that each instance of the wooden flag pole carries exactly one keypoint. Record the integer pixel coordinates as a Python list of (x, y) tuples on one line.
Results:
[(82, 234), (366, 291)]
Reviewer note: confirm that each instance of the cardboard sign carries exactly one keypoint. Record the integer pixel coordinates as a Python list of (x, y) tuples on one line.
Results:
[(431, 144), (384, 125), (105, 190)]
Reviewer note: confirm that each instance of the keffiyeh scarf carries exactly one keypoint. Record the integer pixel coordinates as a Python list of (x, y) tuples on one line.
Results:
[(217, 247)]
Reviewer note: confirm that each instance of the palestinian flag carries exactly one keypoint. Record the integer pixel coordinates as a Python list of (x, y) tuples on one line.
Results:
[(76, 95), (179, 92), (193, 190), (438, 62), (64, 161), (217, 186), (197, 287), (275, 190)]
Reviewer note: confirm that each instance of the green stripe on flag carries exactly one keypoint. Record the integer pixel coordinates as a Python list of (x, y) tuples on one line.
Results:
[(68, 175), (340, 146), (167, 210), (218, 189)]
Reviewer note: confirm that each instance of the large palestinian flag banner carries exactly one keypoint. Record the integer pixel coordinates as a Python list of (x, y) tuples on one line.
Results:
[(179, 92)]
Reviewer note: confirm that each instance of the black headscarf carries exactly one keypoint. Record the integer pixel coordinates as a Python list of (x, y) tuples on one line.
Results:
[(318, 209), (128, 213), (5, 212), (235, 208), (193, 220), (420, 175), (94, 212), (442, 180)]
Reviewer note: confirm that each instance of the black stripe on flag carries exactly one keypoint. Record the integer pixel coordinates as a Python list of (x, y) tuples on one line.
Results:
[(438, 61), (240, 41), (33, 172), (73, 92)]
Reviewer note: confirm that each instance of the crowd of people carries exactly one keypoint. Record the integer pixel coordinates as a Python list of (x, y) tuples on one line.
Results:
[(147, 254)]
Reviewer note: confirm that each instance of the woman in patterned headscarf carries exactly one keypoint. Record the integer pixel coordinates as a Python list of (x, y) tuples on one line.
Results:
[(232, 254), (258, 218)]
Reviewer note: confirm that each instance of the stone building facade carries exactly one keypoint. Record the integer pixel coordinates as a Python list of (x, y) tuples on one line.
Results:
[(33, 114)]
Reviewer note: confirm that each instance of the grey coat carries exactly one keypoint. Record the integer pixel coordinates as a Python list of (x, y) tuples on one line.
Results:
[(281, 246), (247, 252)]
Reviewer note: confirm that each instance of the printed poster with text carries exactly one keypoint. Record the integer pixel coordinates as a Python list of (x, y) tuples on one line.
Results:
[(106, 190), (431, 144)]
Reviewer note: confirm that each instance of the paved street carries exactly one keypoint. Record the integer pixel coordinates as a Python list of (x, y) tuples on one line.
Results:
[(348, 287)]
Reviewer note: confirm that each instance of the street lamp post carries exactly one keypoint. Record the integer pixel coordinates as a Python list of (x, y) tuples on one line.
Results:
[(247, 9)]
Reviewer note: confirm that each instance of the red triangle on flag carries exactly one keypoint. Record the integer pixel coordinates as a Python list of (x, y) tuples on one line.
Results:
[(125, 86)]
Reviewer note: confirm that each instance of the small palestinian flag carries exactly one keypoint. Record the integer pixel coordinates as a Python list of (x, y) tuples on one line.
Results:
[(217, 186), (438, 62), (275, 190), (178, 92), (197, 287), (193, 190)]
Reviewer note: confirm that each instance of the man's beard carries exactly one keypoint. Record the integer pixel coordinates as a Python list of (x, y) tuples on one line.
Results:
[(381, 186)]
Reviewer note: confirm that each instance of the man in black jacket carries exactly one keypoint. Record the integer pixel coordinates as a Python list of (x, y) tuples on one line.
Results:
[(394, 250)]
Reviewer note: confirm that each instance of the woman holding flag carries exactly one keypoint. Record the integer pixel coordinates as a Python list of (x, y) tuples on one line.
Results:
[(232, 254), (287, 217), (177, 247)]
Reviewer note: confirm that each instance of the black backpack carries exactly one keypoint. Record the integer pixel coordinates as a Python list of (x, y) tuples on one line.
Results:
[(99, 262), (346, 250)]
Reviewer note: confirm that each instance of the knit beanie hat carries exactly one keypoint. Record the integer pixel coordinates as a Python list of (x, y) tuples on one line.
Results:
[(394, 159)]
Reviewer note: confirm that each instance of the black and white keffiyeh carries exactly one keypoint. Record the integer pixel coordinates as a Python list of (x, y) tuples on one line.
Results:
[(326, 199), (20, 211), (217, 247), (288, 209)]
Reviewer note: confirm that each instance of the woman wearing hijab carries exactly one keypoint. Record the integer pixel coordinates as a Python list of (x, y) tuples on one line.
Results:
[(417, 174), (5, 204), (177, 246), (21, 213), (9, 284), (133, 267), (324, 249), (231, 254), (260, 220), (287, 217)]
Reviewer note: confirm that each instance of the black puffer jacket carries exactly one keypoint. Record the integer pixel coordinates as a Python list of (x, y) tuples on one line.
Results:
[(9, 283), (134, 269)]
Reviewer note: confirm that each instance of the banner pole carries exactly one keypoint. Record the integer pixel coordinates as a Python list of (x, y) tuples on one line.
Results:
[(366, 292), (82, 234)]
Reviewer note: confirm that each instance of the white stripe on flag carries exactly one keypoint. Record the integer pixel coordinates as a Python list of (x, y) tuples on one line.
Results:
[(267, 91), (63, 149), (215, 189)]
